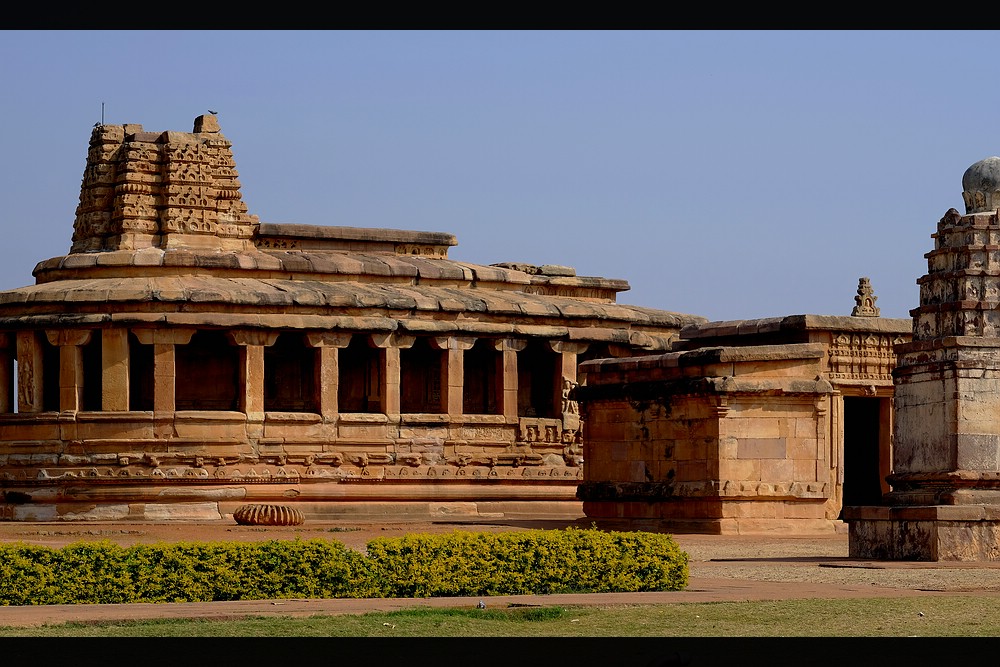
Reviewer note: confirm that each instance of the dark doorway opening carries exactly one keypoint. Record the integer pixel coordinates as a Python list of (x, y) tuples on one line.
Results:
[(420, 368), (359, 387), (140, 375), (290, 375), (207, 372), (862, 450)]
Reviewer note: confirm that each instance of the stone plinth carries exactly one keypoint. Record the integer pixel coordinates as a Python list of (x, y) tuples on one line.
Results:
[(925, 532)]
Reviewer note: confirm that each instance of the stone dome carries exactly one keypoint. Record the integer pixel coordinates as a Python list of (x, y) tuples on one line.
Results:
[(981, 186)]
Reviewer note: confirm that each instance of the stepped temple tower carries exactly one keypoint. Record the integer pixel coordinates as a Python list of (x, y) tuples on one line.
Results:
[(945, 499), (185, 359)]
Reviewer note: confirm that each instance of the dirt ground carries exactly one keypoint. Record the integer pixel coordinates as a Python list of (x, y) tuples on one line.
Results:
[(722, 568)]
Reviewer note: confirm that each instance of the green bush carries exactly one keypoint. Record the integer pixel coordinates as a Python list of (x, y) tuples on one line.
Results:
[(526, 563), (106, 573), (457, 564)]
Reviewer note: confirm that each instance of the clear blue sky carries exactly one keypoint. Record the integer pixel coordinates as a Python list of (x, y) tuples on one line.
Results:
[(729, 174)]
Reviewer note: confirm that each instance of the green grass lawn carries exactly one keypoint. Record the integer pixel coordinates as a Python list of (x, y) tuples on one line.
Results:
[(954, 616)]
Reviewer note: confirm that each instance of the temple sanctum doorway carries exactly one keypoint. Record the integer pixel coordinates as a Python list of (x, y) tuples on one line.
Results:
[(866, 449)]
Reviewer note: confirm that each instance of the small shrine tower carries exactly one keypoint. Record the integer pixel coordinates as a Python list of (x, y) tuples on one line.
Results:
[(945, 499)]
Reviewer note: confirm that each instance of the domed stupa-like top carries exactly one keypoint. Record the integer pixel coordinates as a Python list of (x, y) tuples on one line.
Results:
[(981, 186)]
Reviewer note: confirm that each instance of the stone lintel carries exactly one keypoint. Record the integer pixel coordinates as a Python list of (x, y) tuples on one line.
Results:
[(426, 326), (358, 239), (798, 323), (752, 353), (708, 355), (641, 389), (548, 283), (948, 342)]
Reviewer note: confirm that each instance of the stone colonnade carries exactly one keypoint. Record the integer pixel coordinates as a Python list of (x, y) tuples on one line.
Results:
[(24, 385)]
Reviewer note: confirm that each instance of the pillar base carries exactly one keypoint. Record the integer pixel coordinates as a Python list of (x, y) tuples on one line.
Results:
[(924, 532)]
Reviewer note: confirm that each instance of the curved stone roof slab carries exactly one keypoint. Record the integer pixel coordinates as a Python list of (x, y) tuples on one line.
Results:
[(117, 294)]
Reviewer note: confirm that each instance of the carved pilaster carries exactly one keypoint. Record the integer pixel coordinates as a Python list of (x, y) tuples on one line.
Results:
[(509, 348), (453, 373), (328, 344), (390, 344), (70, 343), (29, 372), (115, 373), (164, 365)]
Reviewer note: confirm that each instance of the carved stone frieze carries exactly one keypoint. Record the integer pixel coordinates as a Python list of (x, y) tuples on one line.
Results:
[(547, 430), (864, 356), (653, 491)]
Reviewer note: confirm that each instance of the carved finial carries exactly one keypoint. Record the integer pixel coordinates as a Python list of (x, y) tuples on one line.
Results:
[(206, 123), (865, 300)]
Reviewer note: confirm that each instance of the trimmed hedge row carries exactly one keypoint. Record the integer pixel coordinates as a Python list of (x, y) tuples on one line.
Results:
[(527, 563), (418, 565)]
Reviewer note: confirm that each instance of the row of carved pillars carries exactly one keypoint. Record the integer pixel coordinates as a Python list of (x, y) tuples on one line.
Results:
[(26, 347)]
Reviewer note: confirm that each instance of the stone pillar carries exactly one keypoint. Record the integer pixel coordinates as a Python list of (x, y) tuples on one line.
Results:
[(508, 397), (453, 371), (7, 352), (115, 370), (568, 352), (29, 372), (70, 343), (328, 345), (390, 344), (164, 368), (252, 344)]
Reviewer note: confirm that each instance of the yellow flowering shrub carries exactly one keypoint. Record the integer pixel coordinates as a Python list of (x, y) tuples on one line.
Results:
[(417, 565), (530, 562)]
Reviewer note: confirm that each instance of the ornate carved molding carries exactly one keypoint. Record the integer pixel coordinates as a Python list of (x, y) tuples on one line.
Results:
[(865, 356)]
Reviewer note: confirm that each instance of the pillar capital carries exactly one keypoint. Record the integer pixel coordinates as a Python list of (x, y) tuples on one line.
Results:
[(568, 347), (164, 336), (328, 339), (510, 344), (68, 336), (252, 337), (451, 342), (393, 339)]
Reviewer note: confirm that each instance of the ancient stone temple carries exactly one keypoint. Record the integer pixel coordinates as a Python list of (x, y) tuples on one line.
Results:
[(185, 359), (749, 426), (945, 497)]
